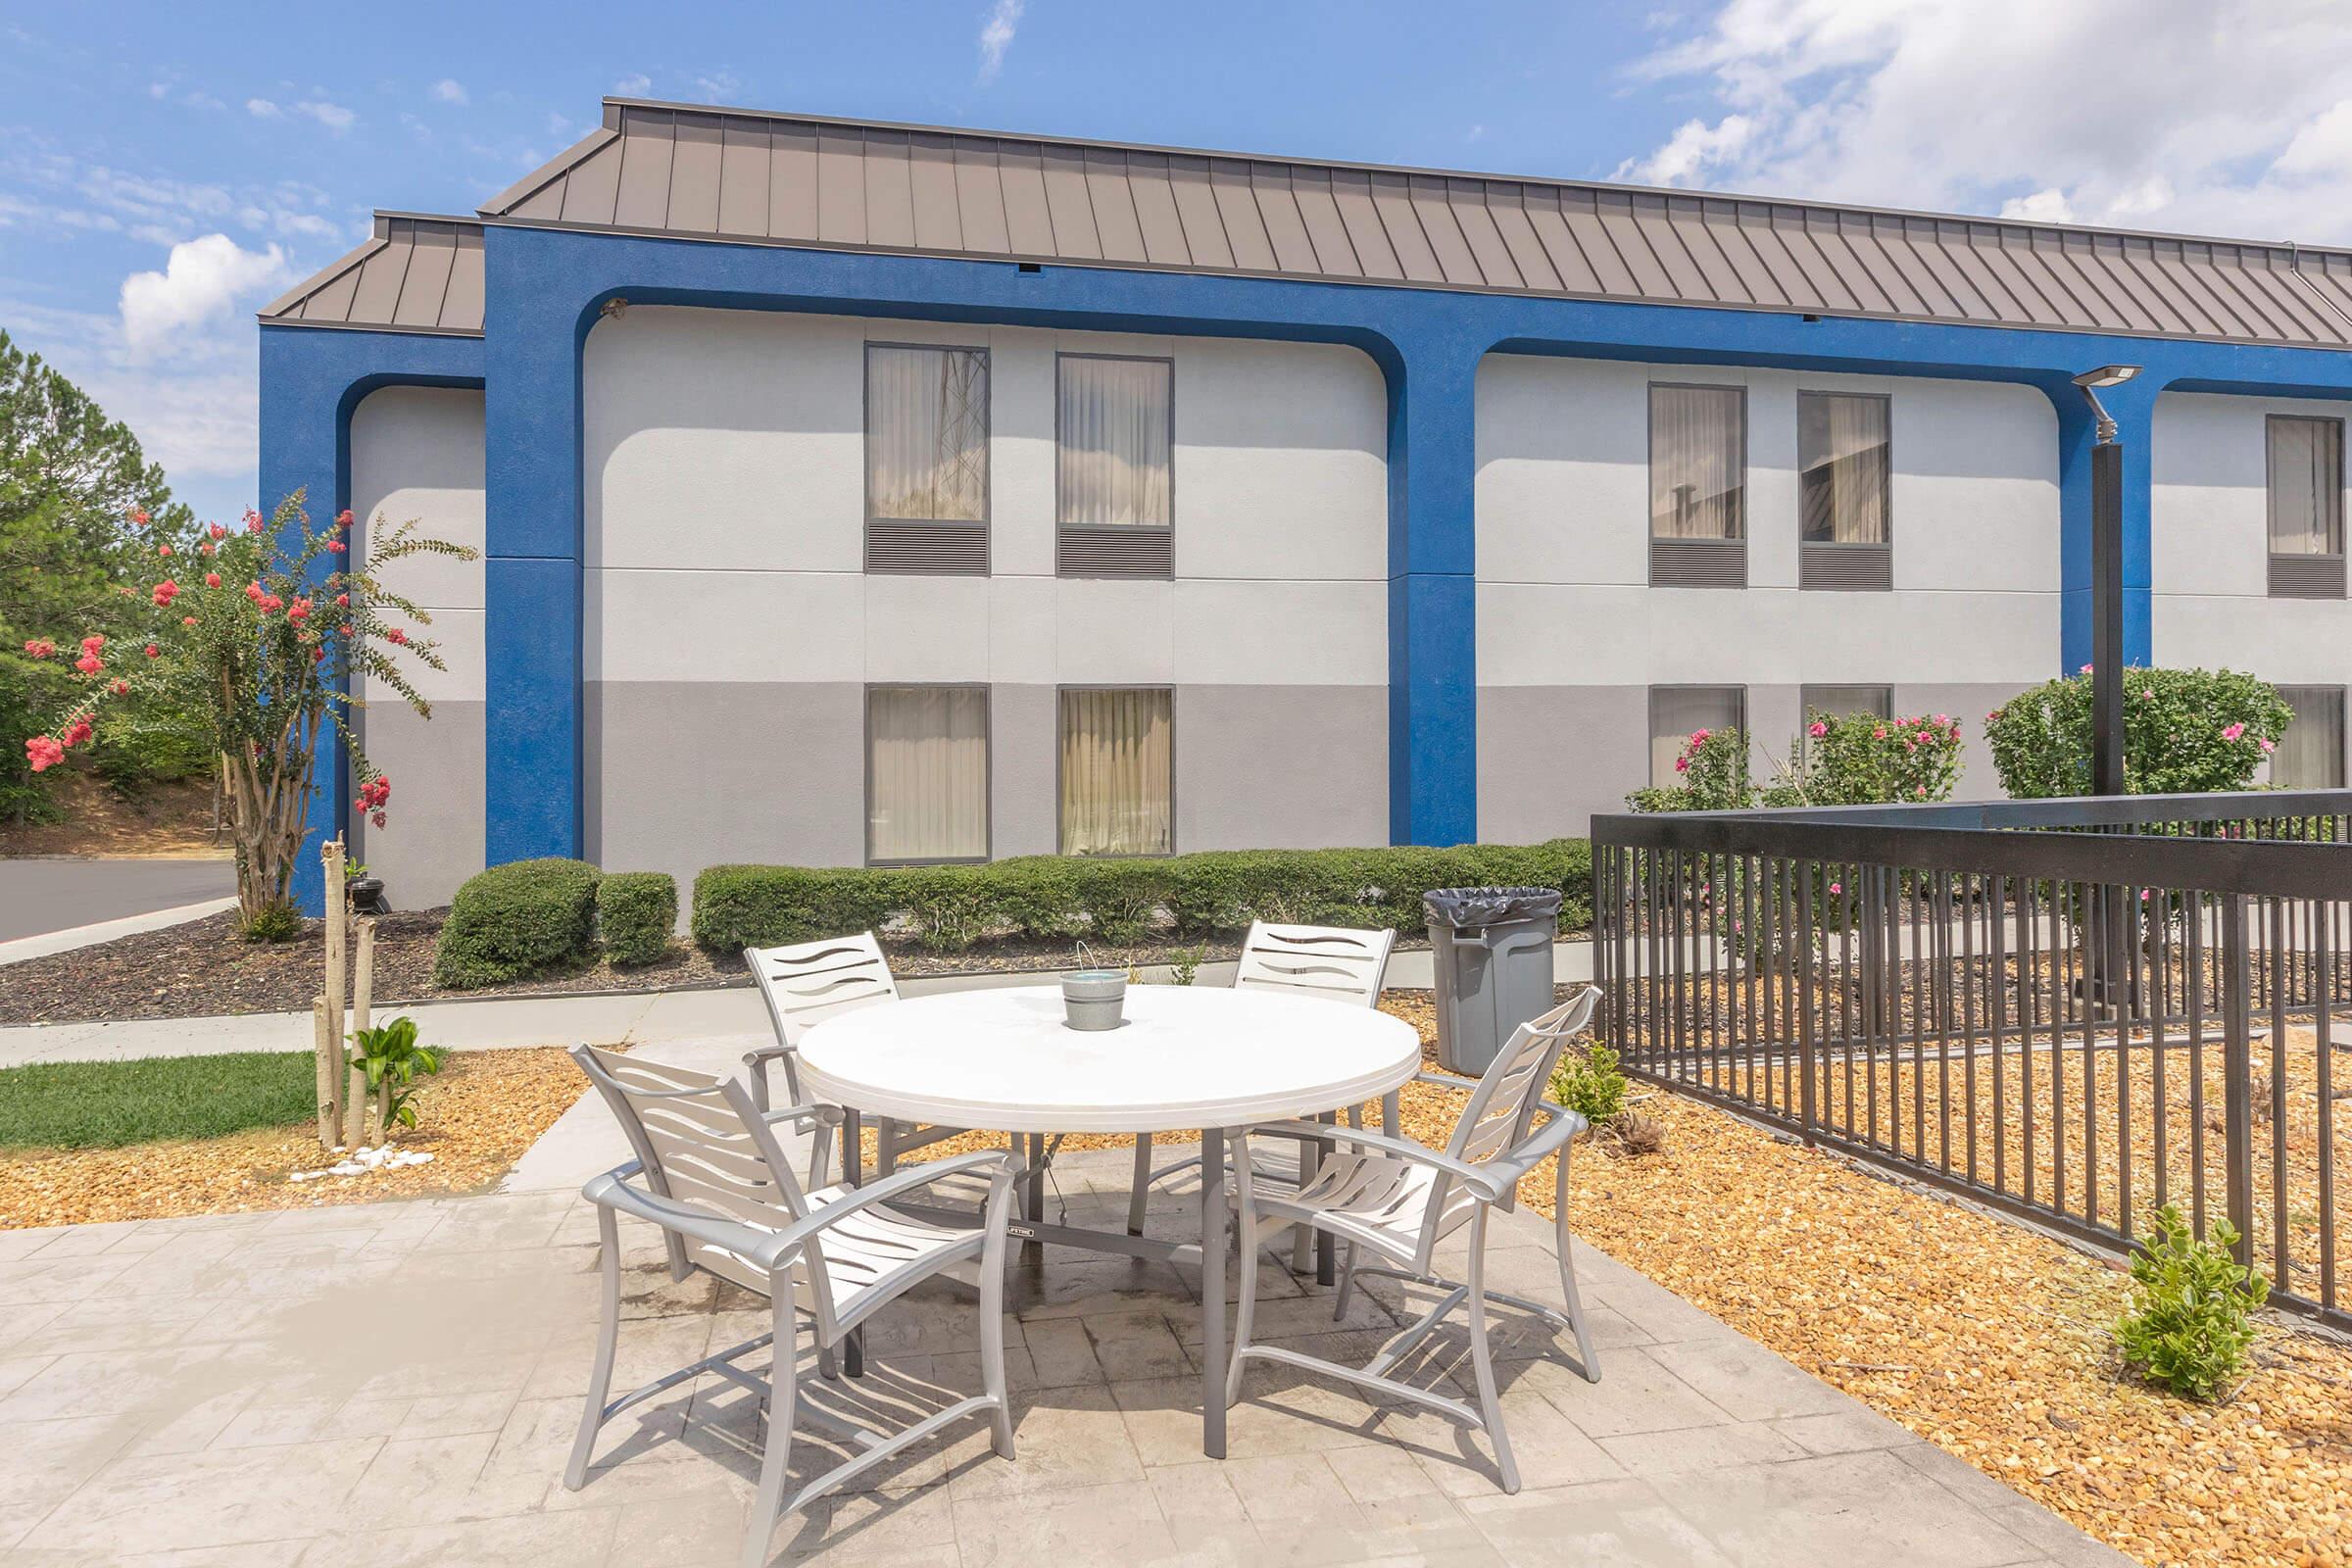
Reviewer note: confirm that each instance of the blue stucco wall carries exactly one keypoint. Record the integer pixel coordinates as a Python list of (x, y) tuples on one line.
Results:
[(544, 288)]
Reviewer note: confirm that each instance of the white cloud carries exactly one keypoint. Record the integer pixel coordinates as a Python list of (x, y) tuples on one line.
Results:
[(996, 36), (262, 109), (334, 116), (450, 91), (201, 279), (720, 86), (634, 87), (2167, 114)]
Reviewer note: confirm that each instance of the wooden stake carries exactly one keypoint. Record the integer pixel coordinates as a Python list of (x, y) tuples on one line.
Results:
[(362, 997), (327, 1077), (331, 1054)]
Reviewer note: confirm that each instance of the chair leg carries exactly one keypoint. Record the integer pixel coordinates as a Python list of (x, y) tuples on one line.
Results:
[(1140, 1187), (992, 1316), (1586, 1361), (1338, 1311), (1245, 1208), (1302, 1237), (599, 1378), (1482, 1355), (783, 1387)]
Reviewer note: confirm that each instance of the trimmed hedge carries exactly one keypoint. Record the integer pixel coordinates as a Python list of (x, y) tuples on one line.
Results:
[(1122, 901), (518, 919), (635, 913)]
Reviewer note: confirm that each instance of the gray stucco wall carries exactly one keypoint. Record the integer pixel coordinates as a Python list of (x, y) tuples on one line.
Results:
[(417, 452)]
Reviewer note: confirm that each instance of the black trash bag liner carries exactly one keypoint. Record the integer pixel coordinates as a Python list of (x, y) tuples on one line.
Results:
[(1468, 908)]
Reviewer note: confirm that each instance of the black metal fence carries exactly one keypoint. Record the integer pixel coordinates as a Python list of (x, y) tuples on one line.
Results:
[(2078, 1009)]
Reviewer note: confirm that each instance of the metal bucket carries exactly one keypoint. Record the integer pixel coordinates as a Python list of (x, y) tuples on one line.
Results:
[(1093, 999)]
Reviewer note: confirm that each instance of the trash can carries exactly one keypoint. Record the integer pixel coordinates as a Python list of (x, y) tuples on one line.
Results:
[(1491, 957)]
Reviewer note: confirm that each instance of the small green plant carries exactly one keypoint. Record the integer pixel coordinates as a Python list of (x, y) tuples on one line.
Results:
[(1184, 966), (2193, 1308), (1590, 1083), (392, 1061), (272, 922)]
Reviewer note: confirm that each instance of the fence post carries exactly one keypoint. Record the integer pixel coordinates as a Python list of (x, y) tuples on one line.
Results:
[(1804, 998), (2237, 1078)]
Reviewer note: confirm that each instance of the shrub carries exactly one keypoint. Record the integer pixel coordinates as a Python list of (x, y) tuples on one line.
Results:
[(518, 919), (1119, 901), (2185, 731), (2192, 1308), (1862, 760), (1714, 771), (635, 913), (1590, 1082)]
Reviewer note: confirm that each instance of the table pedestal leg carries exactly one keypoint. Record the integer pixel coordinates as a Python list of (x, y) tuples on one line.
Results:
[(853, 1167), (1212, 1292)]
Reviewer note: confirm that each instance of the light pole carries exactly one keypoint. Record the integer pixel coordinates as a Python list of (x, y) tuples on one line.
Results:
[(2106, 584)]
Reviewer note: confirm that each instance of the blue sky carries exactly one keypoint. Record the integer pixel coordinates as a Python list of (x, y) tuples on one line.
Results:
[(164, 169)]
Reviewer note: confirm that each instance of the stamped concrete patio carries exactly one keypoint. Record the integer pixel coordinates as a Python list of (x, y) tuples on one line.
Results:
[(398, 1384)]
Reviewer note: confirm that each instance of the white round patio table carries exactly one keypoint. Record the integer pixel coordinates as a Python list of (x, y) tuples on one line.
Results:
[(1186, 1056)]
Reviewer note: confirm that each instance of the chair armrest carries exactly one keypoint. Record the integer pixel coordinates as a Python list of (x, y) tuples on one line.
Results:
[(755, 1069), (892, 1186), (614, 1190), (1478, 1180), (828, 1116), (1445, 1080), (1560, 1125)]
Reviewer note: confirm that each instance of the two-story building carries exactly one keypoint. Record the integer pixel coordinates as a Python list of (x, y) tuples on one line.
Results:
[(869, 493)]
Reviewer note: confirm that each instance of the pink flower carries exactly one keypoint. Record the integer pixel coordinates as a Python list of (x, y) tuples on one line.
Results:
[(187, 620), (1817, 729), (1698, 737), (253, 520), (1879, 734), (137, 516), (1681, 764), (205, 549), (1943, 720), (79, 733), (2269, 746), (163, 549), (270, 604), (120, 687), (154, 651), (1921, 792), (90, 664), (396, 635), (343, 518), (92, 644), (212, 580), (377, 818), (253, 591), (299, 611), (2232, 732), (216, 530), (1837, 887), (2147, 693), (40, 648), (2085, 669), (336, 546), (165, 592), (43, 752)]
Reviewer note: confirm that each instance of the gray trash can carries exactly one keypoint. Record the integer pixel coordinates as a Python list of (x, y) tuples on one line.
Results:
[(1491, 952)]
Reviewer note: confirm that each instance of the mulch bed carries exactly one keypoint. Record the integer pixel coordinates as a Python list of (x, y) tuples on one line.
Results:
[(201, 969), (475, 1118)]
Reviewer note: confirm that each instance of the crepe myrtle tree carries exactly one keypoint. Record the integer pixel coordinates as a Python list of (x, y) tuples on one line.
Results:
[(265, 628)]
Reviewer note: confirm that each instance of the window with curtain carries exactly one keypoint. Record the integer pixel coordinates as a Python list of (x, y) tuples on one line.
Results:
[(1117, 781), (1697, 461), (2310, 754), (926, 434), (928, 774), (1841, 451), (1115, 431), (1838, 701), (1676, 712), (2307, 486)]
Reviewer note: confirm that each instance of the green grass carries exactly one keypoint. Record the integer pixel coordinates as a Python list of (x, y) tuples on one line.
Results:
[(106, 1104)]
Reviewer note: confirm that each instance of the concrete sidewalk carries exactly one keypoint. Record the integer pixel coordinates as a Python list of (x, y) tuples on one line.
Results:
[(398, 1384), (636, 1018)]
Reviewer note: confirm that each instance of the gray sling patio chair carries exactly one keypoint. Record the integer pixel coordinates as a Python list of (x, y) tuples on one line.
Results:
[(1336, 964), (806, 983), (1398, 1199), (713, 1175)]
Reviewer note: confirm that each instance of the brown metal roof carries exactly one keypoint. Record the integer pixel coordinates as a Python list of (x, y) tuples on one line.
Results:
[(414, 275), (684, 171)]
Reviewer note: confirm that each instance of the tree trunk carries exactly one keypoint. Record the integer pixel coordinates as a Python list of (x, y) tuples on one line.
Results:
[(330, 856), (362, 997), (328, 1075)]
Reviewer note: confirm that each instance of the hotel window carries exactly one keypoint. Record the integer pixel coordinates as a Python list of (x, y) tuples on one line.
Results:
[(926, 773), (1843, 499), (1114, 434), (2310, 754), (2306, 469), (1677, 712), (926, 459), (1698, 486), (1116, 772)]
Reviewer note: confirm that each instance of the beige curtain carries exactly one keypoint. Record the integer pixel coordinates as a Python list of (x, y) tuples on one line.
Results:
[(2310, 754), (1677, 712), (2307, 486), (926, 434), (1698, 444), (1115, 775), (1115, 434), (1841, 451), (929, 757)]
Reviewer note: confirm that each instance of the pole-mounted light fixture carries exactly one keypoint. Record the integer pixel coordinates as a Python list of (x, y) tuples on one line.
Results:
[(2091, 380)]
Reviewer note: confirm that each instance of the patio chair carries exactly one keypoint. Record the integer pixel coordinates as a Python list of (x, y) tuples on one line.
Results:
[(1334, 963), (711, 1174), (805, 984), (1398, 1199)]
